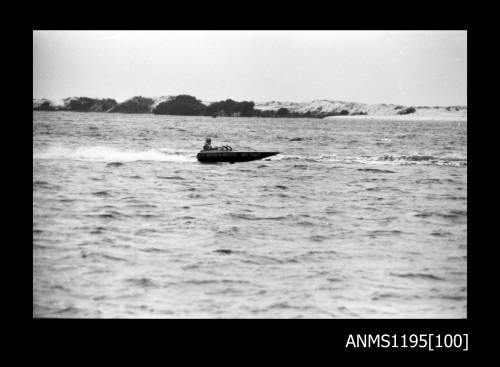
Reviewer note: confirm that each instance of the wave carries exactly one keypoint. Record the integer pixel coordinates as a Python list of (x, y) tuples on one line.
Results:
[(112, 214), (116, 157), (318, 238), (171, 177), (253, 217), (68, 310), (453, 214), (214, 281), (418, 275), (142, 282), (286, 157), (45, 185), (224, 251), (375, 170), (455, 160), (406, 136), (101, 193), (386, 158), (381, 232), (115, 164), (40, 183)]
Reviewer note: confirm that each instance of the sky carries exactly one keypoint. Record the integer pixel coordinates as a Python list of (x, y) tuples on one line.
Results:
[(400, 67)]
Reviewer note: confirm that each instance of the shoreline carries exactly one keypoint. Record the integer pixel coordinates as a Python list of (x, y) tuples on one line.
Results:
[(186, 105), (400, 118), (409, 118)]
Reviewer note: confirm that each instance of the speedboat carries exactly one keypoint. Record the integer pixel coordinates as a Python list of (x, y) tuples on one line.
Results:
[(226, 154)]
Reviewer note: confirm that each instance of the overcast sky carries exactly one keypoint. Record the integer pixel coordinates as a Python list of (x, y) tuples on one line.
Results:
[(403, 67)]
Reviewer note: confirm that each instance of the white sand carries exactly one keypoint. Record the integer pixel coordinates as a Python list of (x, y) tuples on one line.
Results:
[(419, 115), (373, 111)]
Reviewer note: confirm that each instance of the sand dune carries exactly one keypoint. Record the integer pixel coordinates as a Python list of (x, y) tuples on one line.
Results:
[(354, 110), (318, 109)]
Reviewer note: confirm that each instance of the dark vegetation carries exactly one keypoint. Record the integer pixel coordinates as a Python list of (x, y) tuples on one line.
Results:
[(407, 110), (335, 113), (230, 108), (282, 112), (136, 104), (188, 105), (45, 106), (180, 105), (103, 105), (79, 104), (85, 104), (456, 108)]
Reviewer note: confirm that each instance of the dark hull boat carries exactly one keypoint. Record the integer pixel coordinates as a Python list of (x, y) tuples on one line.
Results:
[(213, 156)]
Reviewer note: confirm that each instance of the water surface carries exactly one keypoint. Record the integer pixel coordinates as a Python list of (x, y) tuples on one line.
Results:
[(354, 219)]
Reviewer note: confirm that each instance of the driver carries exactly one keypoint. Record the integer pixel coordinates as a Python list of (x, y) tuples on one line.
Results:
[(208, 144)]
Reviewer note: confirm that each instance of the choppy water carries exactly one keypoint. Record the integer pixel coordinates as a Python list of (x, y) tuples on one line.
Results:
[(355, 219)]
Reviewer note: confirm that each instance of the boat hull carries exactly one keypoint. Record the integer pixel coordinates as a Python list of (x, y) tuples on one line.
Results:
[(230, 156)]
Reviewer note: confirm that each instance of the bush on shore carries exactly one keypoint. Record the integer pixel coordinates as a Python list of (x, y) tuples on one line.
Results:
[(80, 104), (230, 108), (137, 104), (44, 106), (335, 113), (180, 105), (103, 105), (407, 110)]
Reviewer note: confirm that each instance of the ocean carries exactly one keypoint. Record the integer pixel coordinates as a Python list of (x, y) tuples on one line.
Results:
[(353, 219)]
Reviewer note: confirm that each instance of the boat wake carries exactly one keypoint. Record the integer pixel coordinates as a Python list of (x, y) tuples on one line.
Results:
[(392, 159), (108, 154)]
